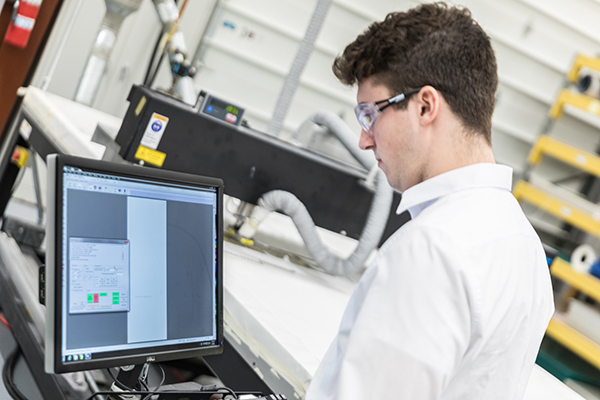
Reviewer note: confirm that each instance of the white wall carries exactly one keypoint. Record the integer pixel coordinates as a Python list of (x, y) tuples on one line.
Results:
[(250, 45), (535, 43), (130, 56)]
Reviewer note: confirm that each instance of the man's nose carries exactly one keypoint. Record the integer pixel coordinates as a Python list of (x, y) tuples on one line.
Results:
[(366, 141)]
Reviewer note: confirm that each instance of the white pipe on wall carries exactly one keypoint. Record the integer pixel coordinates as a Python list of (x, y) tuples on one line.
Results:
[(116, 12)]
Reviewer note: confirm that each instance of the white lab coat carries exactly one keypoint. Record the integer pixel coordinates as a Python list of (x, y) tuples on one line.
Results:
[(454, 306)]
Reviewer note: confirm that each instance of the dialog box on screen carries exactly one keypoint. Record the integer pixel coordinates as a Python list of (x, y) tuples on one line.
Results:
[(98, 275)]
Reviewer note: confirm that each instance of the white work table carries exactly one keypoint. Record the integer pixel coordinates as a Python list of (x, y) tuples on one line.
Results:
[(286, 314)]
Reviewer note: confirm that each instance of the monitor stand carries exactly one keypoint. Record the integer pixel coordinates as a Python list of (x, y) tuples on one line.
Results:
[(129, 378)]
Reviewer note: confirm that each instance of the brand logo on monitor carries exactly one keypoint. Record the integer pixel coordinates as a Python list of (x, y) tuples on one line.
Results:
[(150, 359)]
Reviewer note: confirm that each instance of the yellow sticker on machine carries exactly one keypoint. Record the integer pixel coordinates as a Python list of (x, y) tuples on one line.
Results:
[(140, 106), (153, 157)]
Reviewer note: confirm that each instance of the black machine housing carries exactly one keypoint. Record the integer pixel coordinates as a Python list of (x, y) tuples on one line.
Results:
[(252, 163)]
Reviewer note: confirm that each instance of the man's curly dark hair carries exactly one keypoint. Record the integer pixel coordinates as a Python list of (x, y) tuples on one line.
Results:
[(432, 44)]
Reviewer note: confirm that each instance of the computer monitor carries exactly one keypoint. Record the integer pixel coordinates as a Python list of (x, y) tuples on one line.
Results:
[(133, 265)]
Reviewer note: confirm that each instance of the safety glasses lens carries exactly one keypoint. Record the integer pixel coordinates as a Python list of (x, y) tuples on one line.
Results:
[(366, 114), (366, 120)]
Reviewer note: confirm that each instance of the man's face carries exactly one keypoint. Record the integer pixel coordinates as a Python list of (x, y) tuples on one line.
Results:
[(394, 138)]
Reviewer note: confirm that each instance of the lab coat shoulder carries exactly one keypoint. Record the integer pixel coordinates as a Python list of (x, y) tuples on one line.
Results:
[(410, 316)]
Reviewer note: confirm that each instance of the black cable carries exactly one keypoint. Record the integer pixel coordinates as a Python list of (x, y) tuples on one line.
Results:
[(159, 385), (228, 390), (142, 393), (143, 385), (217, 388), (143, 378), (7, 374), (149, 394), (147, 80), (118, 383), (113, 393), (37, 187), (151, 63), (162, 57)]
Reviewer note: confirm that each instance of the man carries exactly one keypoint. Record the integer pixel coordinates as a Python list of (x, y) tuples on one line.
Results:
[(457, 301)]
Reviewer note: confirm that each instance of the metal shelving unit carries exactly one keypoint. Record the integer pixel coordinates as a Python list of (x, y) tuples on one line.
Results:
[(584, 282), (574, 341), (568, 207), (571, 209), (548, 146), (568, 212), (578, 343)]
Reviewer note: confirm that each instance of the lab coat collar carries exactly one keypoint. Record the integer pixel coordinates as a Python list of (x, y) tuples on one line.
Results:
[(422, 195)]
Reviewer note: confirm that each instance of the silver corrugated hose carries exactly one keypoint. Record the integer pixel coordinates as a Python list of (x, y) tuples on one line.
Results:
[(293, 77), (116, 11), (376, 220)]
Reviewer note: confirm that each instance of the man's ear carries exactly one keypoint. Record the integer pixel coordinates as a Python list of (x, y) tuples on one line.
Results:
[(428, 102)]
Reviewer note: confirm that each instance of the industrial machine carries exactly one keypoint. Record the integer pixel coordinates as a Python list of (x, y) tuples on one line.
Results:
[(191, 139)]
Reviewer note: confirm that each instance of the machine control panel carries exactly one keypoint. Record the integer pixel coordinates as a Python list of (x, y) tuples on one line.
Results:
[(222, 110)]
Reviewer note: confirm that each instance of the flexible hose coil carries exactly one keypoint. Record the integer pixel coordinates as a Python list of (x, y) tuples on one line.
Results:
[(279, 200)]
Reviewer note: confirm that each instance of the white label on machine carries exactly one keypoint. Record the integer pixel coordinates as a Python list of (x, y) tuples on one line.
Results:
[(25, 129), (154, 131)]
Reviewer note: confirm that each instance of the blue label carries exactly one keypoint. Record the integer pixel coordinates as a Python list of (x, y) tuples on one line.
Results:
[(156, 126), (209, 109)]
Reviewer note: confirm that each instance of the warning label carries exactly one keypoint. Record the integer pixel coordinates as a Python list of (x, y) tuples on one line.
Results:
[(154, 131)]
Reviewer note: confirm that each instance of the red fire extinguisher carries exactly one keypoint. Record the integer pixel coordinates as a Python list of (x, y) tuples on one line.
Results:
[(22, 22)]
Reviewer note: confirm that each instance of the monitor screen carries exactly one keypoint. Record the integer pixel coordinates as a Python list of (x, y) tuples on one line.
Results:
[(133, 265)]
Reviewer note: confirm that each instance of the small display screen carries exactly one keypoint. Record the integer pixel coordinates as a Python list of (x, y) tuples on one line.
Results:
[(222, 110)]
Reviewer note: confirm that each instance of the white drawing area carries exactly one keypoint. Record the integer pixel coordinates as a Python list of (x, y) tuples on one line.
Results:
[(98, 275)]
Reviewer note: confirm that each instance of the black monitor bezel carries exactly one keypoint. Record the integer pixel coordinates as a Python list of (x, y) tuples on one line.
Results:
[(53, 362)]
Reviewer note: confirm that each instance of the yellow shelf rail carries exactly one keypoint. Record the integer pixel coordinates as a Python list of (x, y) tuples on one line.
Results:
[(524, 191), (580, 62), (584, 282), (545, 145), (575, 341), (582, 101)]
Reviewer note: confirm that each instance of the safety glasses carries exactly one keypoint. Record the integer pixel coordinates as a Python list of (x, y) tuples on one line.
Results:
[(367, 113)]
